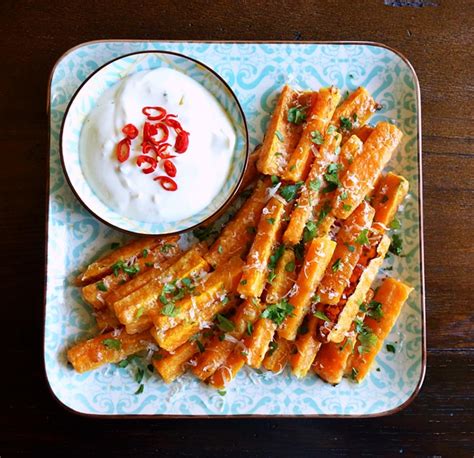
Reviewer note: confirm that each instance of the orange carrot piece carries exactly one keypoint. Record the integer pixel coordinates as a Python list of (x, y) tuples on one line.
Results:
[(142, 324), (240, 230), (96, 293), (363, 132), (278, 355), (362, 174), (316, 260), (350, 150), (227, 372), (255, 271), (350, 239), (285, 277), (307, 348), (106, 320), (103, 266), (282, 136), (321, 113), (215, 286), (388, 194), (258, 342), (309, 195), (251, 173), (392, 294), (107, 348)]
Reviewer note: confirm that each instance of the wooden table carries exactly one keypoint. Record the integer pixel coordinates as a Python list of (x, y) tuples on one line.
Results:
[(437, 40)]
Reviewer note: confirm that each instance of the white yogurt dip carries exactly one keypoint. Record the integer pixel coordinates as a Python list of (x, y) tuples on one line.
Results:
[(201, 170)]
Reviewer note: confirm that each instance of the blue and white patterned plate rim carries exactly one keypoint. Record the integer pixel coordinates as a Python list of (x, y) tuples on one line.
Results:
[(416, 389)]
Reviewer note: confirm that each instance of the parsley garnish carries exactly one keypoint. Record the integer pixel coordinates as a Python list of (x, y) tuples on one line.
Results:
[(314, 185), (362, 238), (396, 246), (243, 282), (123, 363), (270, 220), (220, 250), (201, 347), (331, 129), (321, 315), (289, 191), (366, 337), (275, 180), (395, 224), (271, 276), (278, 312), (317, 137), (145, 253), (274, 258), (140, 312), (166, 248), (346, 123), (337, 265), (324, 212), (122, 266), (309, 231), (332, 178), (272, 348), (149, 264), (374, 310), (140, 389), (296, 115), (249, 328), (101, 286), (346, 207), (113, 344), (222, 392), (224, 324), (290, 266), (390, 348), (139, 375), (203, 233), (279, 136), (351, 248), (169, 309), (114, 245)]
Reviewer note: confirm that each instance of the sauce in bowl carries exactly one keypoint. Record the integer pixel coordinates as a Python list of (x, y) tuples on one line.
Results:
[(201, 170)]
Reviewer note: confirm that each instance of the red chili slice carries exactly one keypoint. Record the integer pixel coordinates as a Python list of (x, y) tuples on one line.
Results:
[(123, 149), (174, 123), (182, 142), (148, 112), (170, 168), (167, 183), (130, 131), (148, 160)]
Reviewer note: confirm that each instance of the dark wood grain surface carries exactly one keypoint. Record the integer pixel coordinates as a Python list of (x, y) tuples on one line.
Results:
[(437, 39)]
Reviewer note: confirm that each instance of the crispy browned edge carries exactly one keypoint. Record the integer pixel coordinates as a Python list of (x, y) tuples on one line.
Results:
[(421, 240)]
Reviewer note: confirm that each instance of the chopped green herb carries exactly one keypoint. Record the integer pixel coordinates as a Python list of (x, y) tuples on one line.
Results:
[(351, 248), (270, 220), (275, 180), (114, 245), (151, 368), (272, 347), (275, 257), (140, 389), (325, 210), (354, 117), (201, 347), (317, 137), (395, 224), (374, 310), (346, 123), (220, 250), (362, 238), (222, 392), (249, 328), (296, 115), (314, 185), (101, 286), (343, 195), (396, 247), (299, 250), (279, 136), (140, 312), (271, 276), (113, 344), (346, 207), (321, 315), (289, 191), (166, 248), (139, 375), (145, 253), (390, 348), (292, 168), (123, 363), (225, 300), (310, 231), (332, 177), (169, 309), (290, 266), (204, 233), (366, 337), (331, 129), (243, 282), (278, 312), (316, 298), (337, 265), (149, 264), (224, 324)]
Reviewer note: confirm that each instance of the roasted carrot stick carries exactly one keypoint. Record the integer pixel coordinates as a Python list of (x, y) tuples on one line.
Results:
[(257, 343), (392, 294), (277, 356), (362, 174), (313, 133), (306, 347), (316, 260), (227, 372), (284, 277)]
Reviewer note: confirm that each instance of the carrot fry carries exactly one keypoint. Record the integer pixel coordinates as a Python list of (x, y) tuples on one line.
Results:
[(107, 348), (219, 349), (103, 266), (282, 135), (258, 342), (392, 294), (351, 308), (354, 111), (142, 324), (278, 355), (325, 103), (309, 195), (240, 231), (349, 247), (145, 299), (106, 320), (173, 338), (174, 365), (251, 173), (389, 193), (255, 271), (215, 286), (350, 150), (316, 260), (227, 372), (307, 348), (362, 174), (96, 293), (284, 277)]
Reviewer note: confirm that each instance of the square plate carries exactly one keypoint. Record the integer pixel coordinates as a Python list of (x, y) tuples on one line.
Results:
[(256, 72)]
